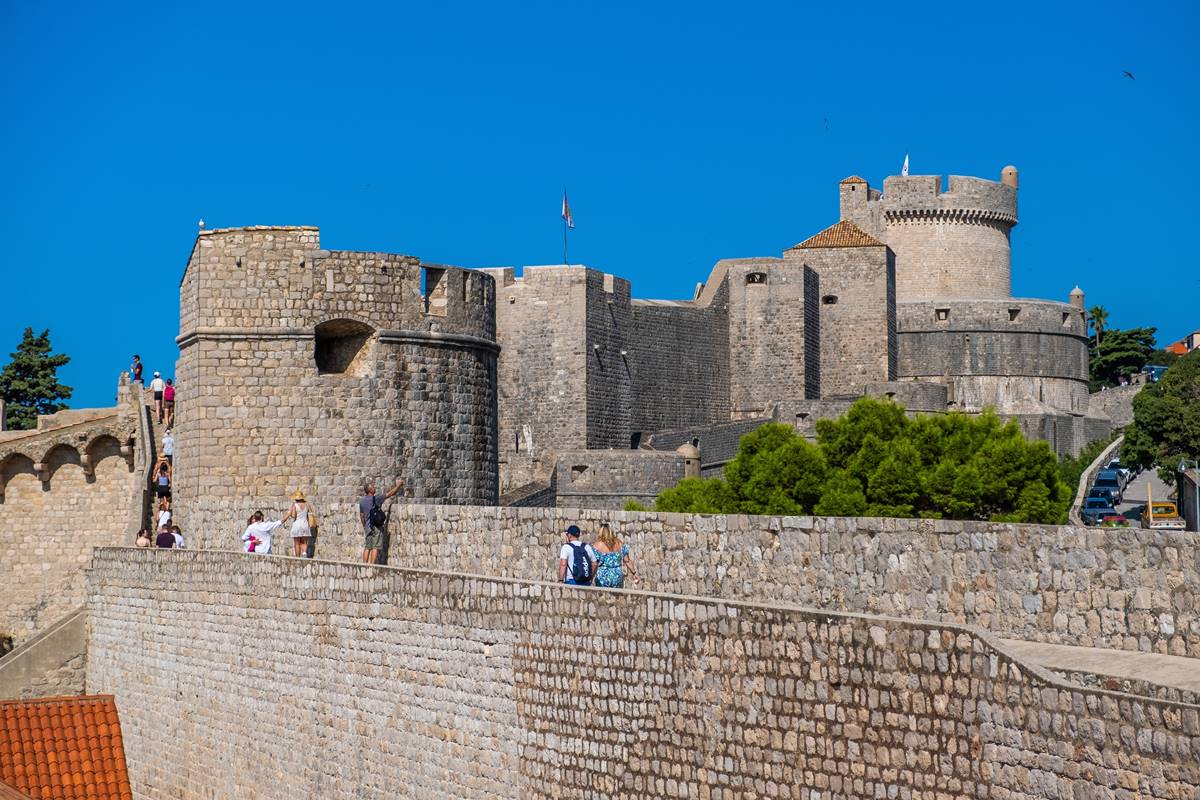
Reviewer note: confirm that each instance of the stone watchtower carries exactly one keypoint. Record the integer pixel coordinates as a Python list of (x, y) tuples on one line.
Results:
[(949, 245), (303, 368)]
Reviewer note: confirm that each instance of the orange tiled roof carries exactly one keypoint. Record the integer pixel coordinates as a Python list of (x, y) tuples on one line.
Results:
[(63, 747), (852, 179), (843, 234)]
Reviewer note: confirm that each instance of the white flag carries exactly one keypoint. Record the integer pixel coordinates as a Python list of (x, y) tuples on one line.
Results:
[(904, 169)]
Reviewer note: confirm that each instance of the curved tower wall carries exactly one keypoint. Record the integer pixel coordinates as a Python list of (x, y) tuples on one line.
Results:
[(1006, 354), (951, 245), (313, 369)]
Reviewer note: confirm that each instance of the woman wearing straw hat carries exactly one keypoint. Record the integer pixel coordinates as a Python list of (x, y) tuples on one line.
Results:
[(304, 522)]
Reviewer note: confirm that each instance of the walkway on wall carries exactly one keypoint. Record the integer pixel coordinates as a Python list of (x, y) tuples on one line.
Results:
[(1176, 672)]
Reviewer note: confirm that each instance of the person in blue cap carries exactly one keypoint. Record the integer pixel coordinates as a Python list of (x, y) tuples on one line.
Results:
[(576, 560)]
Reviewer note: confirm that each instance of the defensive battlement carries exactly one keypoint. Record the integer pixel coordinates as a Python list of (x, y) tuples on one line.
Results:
[(966, 198), (272, 277), (1013, 314)]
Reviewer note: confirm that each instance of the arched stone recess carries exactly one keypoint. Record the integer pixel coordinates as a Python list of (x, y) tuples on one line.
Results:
[(11, 466), (58, 457), (343, 347), (103, 447)]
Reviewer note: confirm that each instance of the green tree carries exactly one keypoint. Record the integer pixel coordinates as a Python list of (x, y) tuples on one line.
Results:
[(1166, 419), (876, 461), (1098, 316), (1121, 352), (29, 383)]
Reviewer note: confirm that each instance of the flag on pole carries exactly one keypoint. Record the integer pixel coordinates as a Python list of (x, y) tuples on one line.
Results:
[(903, 170), (566, 211)]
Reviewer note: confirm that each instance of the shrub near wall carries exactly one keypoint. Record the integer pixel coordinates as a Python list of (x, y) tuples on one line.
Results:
[(273, 677)]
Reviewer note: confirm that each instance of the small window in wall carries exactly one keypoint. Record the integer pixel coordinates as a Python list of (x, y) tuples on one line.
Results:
[(516, 442), (433, 290), (1013, 313), (635, 441), (577, 471), (754, 278), (829, 299), (1066, 319), (341, 347), (941, 314)]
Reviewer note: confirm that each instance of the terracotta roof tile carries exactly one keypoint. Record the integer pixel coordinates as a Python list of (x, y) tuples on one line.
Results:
[(852, 179), (843, 234), (63, 747)]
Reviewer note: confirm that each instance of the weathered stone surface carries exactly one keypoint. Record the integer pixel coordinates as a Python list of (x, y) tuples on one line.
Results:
[(271, 677)]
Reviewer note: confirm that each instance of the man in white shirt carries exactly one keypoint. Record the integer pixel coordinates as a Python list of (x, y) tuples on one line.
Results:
[(573, 571), (157, 385), (257, 536), (168, 447)]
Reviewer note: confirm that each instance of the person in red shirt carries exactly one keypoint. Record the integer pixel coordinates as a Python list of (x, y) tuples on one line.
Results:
[(169, 401)]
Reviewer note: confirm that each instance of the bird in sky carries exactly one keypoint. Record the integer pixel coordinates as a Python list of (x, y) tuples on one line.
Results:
[(1128, 74)]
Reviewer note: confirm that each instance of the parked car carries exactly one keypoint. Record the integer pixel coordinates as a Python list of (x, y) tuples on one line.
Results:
[(1095, 509), (1108, 479), (1125, 473), (1108, 495), (1164, 516)]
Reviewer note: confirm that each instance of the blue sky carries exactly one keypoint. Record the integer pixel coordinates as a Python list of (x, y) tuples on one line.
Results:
[(685, 133)]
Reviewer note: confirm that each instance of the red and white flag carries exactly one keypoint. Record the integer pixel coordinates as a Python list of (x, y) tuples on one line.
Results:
[(566, 211)]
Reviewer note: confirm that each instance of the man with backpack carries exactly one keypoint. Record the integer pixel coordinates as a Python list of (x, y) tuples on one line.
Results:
[(576, 560), (374, 518)]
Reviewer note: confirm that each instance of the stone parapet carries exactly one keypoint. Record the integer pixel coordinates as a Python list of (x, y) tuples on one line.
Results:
[(413, 683)]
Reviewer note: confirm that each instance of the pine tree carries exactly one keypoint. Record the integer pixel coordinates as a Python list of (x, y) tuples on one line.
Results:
[(29, 383)]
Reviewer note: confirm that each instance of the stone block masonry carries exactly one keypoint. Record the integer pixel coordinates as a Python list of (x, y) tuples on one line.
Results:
[(314, 369), (249, 677), (1128, 589)]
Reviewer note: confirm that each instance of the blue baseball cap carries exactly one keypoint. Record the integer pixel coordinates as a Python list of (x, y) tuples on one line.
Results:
[(573, 530)]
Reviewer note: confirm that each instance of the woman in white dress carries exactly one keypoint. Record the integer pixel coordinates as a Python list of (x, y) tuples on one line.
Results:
[(302, 516)]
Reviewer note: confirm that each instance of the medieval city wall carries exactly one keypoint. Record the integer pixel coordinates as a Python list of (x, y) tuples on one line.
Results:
[(1115, 403), (541, 329), (609, 478), (312, 369), (608, 375), (1127, 589), (243, 676), (681, 363), (997, 353), (64, 490)]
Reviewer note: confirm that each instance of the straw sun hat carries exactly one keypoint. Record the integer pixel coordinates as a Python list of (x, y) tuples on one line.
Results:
[(298, 495)]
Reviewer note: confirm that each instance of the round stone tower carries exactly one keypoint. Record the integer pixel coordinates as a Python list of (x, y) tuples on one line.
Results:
[(951, 244), (303, 368)]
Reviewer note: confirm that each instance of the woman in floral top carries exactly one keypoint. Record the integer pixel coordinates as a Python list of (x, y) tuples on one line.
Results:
[(613, 559)]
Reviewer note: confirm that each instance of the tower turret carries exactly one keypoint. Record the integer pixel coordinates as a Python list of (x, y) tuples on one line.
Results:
[(951, 244), (1077, 298)]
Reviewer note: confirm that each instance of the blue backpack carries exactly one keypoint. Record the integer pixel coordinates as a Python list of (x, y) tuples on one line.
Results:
[(581, 565)]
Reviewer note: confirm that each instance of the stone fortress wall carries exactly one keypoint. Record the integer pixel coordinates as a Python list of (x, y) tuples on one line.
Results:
[(1124, 589), (273, 678), (311, 369), (913, 284), (69, 486)]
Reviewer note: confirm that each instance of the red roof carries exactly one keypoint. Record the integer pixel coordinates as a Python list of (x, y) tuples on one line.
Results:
[(63, 747)]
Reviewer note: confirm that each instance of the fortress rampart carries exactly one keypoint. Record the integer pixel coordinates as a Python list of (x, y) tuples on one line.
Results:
[(426, 684), (312, 369), (65, 488), (997, 353), (1123, 589)]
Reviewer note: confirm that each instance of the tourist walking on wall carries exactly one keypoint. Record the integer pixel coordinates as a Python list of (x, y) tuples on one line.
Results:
[(164, 513), (143, 538), (157, 386), (576, 560), (162, 479), (168, 448), (304, 521), (135, 369), (165, 538), (169, 402), (613, 560), (257, 536), (178, 534), (373, 518)]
